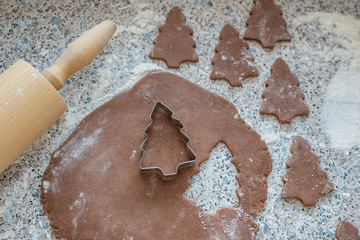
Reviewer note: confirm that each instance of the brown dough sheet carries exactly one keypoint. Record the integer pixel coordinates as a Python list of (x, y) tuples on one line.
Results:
[(164, 142), (93, 187), (266, 24), (175, 44), (346, 231), (282, 95), (232, 60), (304, 179)]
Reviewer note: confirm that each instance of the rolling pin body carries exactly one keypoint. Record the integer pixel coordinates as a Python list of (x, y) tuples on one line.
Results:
[(29, 105), (29, 102)]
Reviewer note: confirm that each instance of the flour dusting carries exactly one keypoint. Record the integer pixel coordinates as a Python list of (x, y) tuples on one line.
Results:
[(217, 191), (347, 28), (145, 20), (341, 112), (135, 30), (105, 167), (107, 74), (144, 69), (77, 208), (46, 185), (145, 17), (342, 101), (84, 144), (132, 157), (344, 87)]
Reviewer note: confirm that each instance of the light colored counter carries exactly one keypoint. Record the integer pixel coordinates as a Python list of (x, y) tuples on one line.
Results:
[(319, 55)]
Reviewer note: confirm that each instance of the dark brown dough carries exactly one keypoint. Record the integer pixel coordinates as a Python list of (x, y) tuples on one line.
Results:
[(282, 96), (266, 24), (232, 60), (346, 231), (93, 187), (165, 148), (175, 44), (304, 179)]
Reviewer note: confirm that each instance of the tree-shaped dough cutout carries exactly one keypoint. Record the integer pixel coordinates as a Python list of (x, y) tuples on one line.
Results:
[(282, 96), (175, 44), (347, 231), (232, 60), (165, 148), (304, 179), (266, 24)]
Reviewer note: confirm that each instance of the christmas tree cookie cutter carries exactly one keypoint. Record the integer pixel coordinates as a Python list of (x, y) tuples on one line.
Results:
[(177, 123)]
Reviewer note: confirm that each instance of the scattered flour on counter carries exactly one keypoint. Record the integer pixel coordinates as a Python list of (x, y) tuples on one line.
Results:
[(345, 86), (106, 76), (144, 20), (347, 28), (132, 29), (138, 72), (142, 5), (145, 68), (269, 135), (145, 17), (341, 112)]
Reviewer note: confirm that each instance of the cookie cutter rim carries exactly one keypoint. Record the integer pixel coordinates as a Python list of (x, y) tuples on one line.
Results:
[(184, 137)]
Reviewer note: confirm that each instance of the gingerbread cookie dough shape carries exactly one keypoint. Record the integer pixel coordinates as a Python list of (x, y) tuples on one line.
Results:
[(266, 24), (232, 60), (175, 44), (93, 187), (165, 148), (346, 231), (282, 96), (304, 179)]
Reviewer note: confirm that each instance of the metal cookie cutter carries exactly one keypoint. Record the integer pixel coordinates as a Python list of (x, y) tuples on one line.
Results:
[(192, 156)]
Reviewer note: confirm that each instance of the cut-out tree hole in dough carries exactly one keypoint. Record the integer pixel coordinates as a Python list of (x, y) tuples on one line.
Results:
[(165, 148), (215, 185)]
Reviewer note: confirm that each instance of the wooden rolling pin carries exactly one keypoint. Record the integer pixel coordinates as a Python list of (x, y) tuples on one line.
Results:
[(29, 102)]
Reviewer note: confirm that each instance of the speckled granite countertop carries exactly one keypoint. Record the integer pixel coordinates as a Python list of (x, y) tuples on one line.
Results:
[(322, 51)]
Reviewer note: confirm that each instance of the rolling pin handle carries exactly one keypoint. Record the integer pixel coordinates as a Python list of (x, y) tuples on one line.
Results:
[(79, 54)]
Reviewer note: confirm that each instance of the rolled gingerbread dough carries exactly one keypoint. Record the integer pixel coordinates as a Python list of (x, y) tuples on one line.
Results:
[(93, 187)]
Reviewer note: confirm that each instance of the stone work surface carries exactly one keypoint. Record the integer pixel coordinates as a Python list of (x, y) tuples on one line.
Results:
[(39, 31)]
